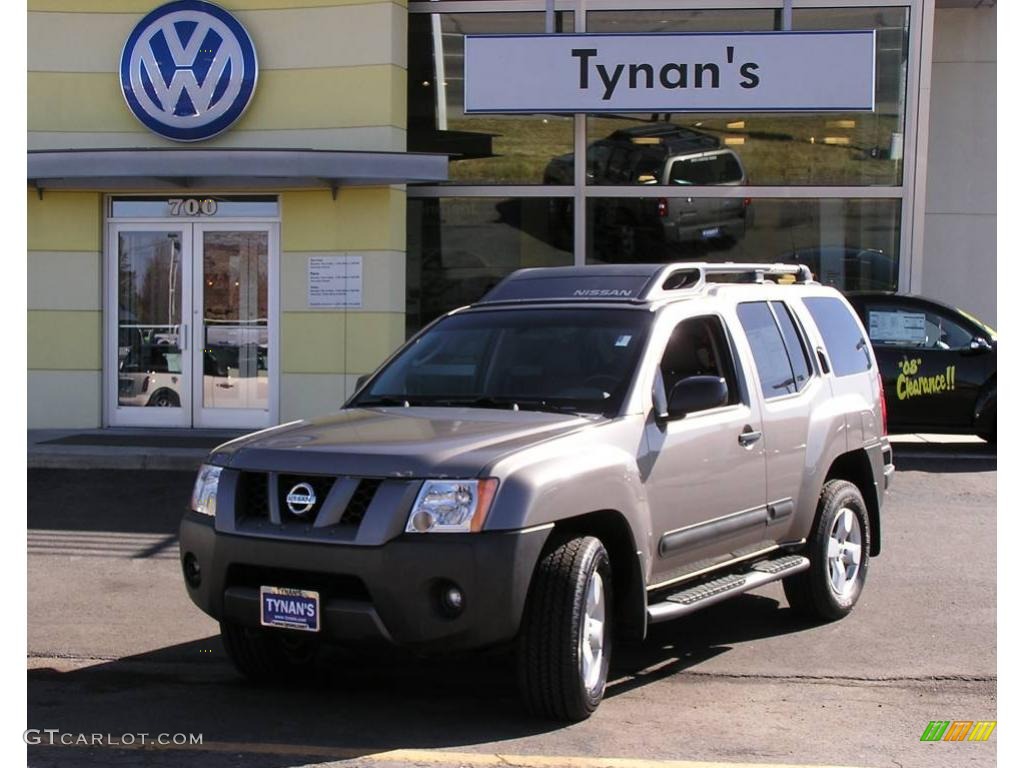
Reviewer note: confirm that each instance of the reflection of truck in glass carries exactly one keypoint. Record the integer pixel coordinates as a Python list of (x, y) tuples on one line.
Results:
[(660, 154)]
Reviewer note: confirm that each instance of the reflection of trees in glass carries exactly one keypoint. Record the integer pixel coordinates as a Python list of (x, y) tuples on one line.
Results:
[(149, 278)]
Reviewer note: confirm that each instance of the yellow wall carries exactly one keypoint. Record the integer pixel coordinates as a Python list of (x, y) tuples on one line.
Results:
[(64, 309), (332, 76)]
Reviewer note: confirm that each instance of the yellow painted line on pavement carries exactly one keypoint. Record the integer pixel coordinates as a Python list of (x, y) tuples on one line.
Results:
[(439, 757)]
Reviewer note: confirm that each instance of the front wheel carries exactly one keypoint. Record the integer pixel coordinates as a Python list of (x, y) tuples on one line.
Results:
[(838, 550), (565, 641)]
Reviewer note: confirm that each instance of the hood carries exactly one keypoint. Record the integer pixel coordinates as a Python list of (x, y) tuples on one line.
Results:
[(396, 442)]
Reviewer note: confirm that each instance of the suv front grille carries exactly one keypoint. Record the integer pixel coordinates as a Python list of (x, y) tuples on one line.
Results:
[(252, 498)]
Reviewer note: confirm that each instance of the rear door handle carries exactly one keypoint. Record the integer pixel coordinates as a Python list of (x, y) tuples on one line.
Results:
[(749, 436)]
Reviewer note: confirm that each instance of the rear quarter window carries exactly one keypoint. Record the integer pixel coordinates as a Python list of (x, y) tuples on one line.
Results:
[(847, 348)]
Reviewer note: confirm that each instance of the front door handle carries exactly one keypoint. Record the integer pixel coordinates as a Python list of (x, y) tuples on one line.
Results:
[(749, 436)]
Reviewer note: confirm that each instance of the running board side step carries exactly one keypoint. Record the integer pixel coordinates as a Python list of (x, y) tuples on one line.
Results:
[(715, 591)]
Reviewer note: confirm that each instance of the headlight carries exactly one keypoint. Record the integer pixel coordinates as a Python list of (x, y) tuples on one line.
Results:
[(204, 493), (451, 506)]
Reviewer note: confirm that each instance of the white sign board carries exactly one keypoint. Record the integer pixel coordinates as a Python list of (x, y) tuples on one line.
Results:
[(908, 327), (335, 282), (734, 72)]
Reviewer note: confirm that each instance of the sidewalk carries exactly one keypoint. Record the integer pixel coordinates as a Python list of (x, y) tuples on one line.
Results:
[(162, 449), (184, 449)]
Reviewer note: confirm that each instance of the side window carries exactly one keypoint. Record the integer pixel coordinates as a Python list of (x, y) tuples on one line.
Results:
[(770, 356), (898, 325), (798, 359), (699, 347), (847, 348)]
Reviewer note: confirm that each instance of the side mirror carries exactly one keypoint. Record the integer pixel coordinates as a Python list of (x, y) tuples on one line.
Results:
[(362, 380), (697, 393), (978, 346)]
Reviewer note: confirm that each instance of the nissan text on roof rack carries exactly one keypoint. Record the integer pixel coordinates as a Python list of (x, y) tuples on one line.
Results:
[(583, 453)]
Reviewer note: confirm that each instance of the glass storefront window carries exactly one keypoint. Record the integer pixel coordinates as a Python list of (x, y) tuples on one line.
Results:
[(484, 149), (826, 149), (851, 244), (461, 247)]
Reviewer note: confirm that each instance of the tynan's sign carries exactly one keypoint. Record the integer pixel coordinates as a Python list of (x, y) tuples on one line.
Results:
[(734, 72), (188, 70)]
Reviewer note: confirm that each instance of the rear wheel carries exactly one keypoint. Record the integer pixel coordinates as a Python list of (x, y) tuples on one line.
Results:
[(268, 656), (838, 550), (565, 642)]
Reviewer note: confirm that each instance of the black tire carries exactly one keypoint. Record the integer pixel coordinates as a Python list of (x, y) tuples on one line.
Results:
[(988, 433), (164, 398), (811, 592), (550, 652), (268, 656)]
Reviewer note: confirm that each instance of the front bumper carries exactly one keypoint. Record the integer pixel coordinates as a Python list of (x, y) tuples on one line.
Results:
[(387, 594)]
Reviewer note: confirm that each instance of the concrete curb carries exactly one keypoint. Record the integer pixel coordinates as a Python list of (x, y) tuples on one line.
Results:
[(164, 461)]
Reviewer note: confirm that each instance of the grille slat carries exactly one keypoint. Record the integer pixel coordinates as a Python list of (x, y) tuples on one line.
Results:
[(253, 498), (360, 502)]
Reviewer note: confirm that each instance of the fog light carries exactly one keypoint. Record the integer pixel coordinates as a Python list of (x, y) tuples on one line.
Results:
[(452, 600), (193, 576)]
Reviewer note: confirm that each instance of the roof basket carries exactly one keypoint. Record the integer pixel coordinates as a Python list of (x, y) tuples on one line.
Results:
[(633, 283), (695, 276)]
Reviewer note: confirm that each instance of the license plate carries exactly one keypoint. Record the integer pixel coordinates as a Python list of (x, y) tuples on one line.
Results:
[(290, 608), (713, 232)]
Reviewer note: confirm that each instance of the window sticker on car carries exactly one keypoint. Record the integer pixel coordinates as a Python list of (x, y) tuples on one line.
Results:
[(897, 327), (623, 341)]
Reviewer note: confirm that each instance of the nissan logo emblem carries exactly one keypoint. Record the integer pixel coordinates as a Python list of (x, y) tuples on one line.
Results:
[(301, 499)]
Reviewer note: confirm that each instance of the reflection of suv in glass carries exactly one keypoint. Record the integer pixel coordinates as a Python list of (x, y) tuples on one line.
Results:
[(584, 452), (660, 154)]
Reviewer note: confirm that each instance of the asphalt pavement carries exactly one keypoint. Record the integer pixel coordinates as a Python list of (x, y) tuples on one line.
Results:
[(116, 648)]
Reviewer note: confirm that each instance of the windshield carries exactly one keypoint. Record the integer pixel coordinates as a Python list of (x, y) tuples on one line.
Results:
[(573, 360)]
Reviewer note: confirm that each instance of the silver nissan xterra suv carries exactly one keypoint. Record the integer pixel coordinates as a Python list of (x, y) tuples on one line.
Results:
[(584, 452)]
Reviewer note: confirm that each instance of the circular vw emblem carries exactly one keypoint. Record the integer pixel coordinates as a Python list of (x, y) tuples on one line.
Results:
[(188, 70), (301, 499)]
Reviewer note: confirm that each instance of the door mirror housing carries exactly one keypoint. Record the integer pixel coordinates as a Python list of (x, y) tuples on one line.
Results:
[(362, 380), (697, 393), (979, 345)]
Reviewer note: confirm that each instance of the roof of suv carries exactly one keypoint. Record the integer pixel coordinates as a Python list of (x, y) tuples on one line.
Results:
[(633, 283)]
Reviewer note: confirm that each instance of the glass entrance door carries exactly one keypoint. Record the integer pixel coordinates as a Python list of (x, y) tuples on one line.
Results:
[(190, 337), (233, 361), (148, 360)]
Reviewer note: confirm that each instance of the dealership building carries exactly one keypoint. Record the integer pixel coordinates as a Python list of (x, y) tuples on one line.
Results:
[(236, 210)]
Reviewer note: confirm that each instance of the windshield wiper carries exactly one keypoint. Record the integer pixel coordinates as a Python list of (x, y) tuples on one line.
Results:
[(544, 405), (513, 403), (383, 400), (478, 402)]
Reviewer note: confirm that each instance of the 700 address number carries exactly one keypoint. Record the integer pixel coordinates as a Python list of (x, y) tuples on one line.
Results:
[(192, 206)]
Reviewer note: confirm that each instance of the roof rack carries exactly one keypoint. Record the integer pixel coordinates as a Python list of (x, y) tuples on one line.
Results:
[(633, 283), (695, 276)]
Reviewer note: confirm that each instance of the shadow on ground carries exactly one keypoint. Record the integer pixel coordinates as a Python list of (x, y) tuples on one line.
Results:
[(355, 703), (944, 457)]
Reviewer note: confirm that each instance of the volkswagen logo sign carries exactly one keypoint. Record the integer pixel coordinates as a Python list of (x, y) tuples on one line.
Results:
[(301, 499), (188, 70)]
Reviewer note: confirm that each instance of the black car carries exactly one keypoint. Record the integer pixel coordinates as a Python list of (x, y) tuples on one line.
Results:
[(938, 364)]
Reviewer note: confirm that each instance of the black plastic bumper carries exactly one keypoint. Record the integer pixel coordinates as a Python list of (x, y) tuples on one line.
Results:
[(389, 594)]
